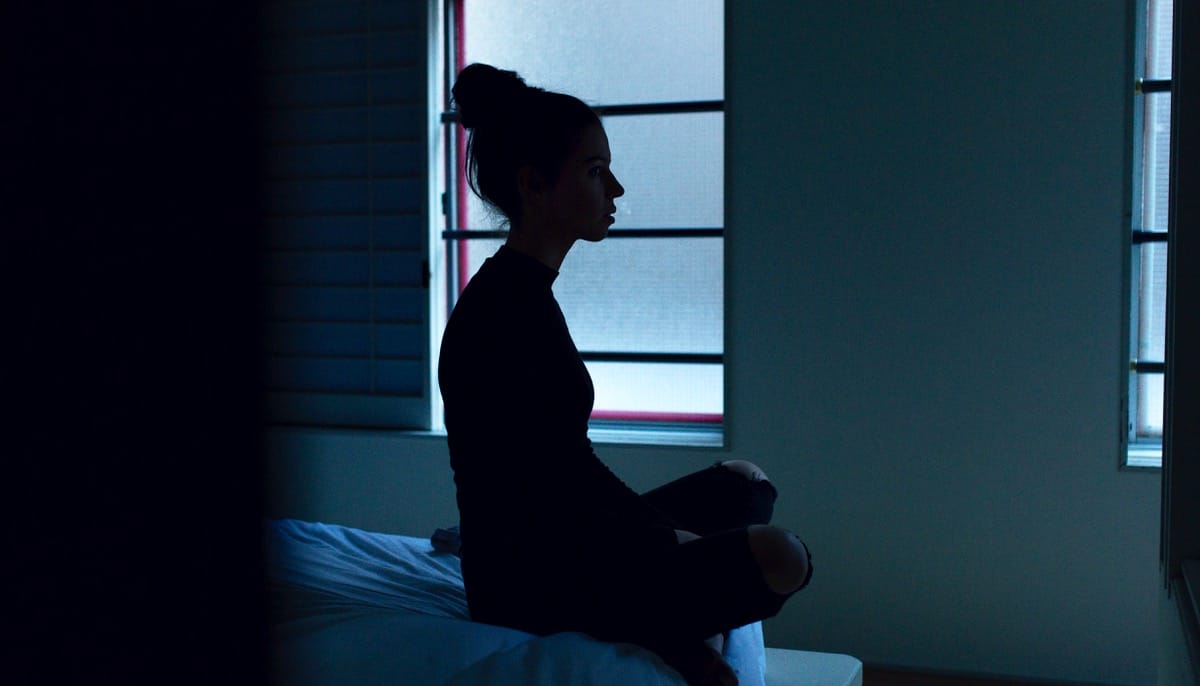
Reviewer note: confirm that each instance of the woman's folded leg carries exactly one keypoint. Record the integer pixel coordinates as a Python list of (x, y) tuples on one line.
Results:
[(728, 495)]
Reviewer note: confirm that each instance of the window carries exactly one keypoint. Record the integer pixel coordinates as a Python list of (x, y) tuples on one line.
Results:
[(1149, 250), (646, 305), (366, 250)]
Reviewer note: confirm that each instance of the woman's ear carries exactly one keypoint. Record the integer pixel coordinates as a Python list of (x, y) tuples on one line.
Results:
[(530, 183)]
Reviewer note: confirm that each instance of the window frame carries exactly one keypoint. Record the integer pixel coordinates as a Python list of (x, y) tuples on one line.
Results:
[(640, 427), (1140, 452)]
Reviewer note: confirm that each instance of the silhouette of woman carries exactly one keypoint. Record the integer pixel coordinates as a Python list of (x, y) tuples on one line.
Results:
[(552, 540)]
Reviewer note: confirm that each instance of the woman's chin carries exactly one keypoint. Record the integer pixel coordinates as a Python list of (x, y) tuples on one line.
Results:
[(597, 235)]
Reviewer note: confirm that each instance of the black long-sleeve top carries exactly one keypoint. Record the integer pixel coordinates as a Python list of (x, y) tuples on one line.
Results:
[(536, 504)]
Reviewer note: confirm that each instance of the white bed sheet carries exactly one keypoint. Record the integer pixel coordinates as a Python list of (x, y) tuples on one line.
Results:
[(360, 607)]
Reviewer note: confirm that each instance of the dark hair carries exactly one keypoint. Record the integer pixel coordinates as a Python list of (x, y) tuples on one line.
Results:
[(512, 124)]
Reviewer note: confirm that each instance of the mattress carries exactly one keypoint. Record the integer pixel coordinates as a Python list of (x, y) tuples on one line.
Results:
[(809, 668), (351, 606)]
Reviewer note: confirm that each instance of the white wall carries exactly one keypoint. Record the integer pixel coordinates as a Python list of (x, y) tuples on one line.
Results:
[(925, 220)]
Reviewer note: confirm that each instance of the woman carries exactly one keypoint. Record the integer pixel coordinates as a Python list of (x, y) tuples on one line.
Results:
[(551, 539)]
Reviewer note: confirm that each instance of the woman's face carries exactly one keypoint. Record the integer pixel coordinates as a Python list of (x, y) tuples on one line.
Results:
[(581, 201)]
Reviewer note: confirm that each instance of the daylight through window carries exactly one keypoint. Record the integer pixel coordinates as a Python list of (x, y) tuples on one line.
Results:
[(646, 305), (1149, 269)]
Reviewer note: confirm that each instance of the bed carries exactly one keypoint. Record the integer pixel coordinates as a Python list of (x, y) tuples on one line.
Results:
[(357, 607)]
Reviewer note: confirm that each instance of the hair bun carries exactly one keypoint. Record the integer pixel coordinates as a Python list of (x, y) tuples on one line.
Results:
[(482, 91)]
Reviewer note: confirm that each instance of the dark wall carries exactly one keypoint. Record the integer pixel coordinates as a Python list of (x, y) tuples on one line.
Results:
[(1181, 440), (130, 263)]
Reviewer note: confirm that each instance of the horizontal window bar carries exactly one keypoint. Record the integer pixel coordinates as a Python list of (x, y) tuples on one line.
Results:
[(667, 233), (1142, 367), (470, 234), (1152, 86), (634, 109), (661, 108), (662, 358), (616, 417), (672, 358), (1140, 237)]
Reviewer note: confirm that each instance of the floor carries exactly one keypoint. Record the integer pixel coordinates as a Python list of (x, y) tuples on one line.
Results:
[(874, 676)]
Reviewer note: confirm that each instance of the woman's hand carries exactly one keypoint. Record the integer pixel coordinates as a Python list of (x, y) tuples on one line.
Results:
[(684, 536)]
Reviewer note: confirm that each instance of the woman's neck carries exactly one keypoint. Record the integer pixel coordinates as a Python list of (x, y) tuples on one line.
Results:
[(539, 245)]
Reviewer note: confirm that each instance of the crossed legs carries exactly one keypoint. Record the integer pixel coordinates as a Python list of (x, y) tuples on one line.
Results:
[(748, 568), (780, 554), (709, 502)]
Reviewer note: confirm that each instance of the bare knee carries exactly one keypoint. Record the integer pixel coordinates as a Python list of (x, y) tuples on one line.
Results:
[(745, 468), (781, 557)]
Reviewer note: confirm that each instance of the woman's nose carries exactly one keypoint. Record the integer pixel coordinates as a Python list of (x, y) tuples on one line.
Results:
[(617, 189)]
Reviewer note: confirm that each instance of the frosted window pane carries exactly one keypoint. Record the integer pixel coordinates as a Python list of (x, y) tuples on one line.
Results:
[(648, 305), (638, 294), (661, 295), (644, 295), (1150, 344), (1157, 152), (479, 215), (1152, 296), (592, 49), (1159, 20), (1150, 405), (672, 168), (477, 251), (658, 388)]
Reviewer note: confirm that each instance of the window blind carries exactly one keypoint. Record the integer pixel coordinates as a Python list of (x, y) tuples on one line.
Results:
[(345, 96)]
